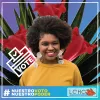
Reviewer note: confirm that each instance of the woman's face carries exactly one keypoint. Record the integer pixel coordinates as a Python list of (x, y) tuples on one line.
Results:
[(49, 47)]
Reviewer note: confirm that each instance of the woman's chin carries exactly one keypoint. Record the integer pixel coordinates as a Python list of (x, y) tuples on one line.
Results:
[(51, 59)]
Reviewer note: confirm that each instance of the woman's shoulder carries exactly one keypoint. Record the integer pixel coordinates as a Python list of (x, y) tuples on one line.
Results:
[(29, 69), (72, 67), (70, 64), (26, 75)]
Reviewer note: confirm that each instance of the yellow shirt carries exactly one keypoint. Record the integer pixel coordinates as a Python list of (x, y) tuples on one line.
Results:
[(66, 74)]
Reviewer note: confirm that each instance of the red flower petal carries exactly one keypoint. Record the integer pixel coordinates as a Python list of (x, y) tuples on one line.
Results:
[(12, 42), (17, 40), (21, 34), (49, 9), (58, 9), (78, 46)]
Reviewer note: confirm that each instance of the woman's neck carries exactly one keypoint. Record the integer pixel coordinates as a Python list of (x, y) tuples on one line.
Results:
[(49, 61)]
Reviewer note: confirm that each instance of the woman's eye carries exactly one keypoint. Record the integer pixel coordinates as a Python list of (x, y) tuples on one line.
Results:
[(55, 43), (45, 44)]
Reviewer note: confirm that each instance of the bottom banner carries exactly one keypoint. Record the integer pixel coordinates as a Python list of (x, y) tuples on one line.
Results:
[(50, 92)]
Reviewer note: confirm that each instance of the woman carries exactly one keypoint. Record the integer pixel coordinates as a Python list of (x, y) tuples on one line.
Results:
[(47, 38)]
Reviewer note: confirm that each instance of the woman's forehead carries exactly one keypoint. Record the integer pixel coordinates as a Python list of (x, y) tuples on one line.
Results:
[(48, 37)]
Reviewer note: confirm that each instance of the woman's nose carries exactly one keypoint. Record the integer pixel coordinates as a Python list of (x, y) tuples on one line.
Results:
[(50, 47)]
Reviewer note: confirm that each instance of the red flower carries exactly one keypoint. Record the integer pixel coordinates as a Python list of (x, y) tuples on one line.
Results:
[(17, 40), (78, 46), (49, 9)]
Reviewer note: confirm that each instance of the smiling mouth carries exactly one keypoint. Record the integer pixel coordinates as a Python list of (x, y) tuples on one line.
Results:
[(51, 54)]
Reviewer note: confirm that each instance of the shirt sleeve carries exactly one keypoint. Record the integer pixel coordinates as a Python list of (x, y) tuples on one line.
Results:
[(77, 78)]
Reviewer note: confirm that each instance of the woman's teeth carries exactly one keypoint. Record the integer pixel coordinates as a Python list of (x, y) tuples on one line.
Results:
[(51, 54)]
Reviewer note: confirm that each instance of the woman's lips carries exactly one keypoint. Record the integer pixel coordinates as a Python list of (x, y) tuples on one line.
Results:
[(51, 54)]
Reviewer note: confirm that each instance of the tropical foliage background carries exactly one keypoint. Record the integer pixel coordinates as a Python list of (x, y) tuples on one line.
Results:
[(86, 52)]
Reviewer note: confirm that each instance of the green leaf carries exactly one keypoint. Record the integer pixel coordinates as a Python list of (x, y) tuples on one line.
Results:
[(42, 0), (23, 13), (89, 76), (7, 30), (78, 17), (11, 77), (82, 58), (31, 15), (79, 59), (87, 65), (91, 29), (17, 18), (2, 36), (5, 51), (64, 16), (5, 81)]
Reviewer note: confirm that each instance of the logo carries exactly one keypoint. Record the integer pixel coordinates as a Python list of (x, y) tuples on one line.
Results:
[(20, 60), (78, 92), (90, 92)]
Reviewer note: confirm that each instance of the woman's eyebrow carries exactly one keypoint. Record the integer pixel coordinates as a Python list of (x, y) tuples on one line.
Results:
[(48, 42)]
